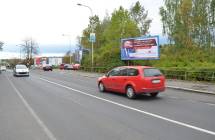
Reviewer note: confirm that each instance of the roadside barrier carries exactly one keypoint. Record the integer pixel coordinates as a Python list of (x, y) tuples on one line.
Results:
[(202, 75), (95, 69), (208, 76)]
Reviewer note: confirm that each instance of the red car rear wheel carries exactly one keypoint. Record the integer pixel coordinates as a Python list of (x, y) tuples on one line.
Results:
[(130, 92)]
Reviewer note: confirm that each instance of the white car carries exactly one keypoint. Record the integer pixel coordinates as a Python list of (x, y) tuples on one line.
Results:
[(3, 68), (21, 70)]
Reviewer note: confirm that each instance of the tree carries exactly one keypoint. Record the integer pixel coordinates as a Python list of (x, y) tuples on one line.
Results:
[(212, 21), (212, 12), (168, 17), (121, 26), (1, 45), (189, 22), (29, 48), (69, 55), (139, 15), (184, 24), (201, 20), (109, 33), (99, 28), (94, 24)]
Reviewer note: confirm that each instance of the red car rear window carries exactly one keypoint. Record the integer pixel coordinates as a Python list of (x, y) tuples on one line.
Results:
[(151, 72)]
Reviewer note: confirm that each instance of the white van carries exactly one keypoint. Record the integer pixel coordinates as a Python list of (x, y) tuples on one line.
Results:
[(3, 68)]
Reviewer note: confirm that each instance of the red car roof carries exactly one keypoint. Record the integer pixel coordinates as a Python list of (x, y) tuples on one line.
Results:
[(136, 67)]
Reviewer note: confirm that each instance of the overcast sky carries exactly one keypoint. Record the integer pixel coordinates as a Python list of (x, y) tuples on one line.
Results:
[(47, 20)]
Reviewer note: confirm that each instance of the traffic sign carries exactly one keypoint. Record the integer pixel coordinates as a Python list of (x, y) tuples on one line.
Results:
[(92, 37)]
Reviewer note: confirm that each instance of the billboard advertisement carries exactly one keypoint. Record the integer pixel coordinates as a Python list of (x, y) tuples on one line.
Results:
[(37, 61), (140, 48)]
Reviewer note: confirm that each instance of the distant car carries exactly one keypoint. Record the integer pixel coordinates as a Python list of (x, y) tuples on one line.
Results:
[(133, 80), (68, 66), (76, 66), (20, 70), (62, 66), (47, 67), (3, 68)]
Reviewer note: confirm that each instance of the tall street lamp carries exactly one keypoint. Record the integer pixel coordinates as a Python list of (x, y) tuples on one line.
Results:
[(20, 49), (70, 48), (92, 35)]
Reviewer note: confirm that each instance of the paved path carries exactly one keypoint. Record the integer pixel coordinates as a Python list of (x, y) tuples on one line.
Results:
[(201, 87)]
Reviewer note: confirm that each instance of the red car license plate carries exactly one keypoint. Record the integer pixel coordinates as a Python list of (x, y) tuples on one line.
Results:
[(156, 81)]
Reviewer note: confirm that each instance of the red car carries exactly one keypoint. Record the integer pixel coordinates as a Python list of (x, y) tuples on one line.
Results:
[(61, 66), (76, 66), (133, 80)]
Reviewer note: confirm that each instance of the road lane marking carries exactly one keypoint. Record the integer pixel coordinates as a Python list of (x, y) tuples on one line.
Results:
[(134, 109), (210, 104), (33, 113)]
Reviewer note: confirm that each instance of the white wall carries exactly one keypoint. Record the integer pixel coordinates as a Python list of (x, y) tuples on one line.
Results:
[(55, 60)]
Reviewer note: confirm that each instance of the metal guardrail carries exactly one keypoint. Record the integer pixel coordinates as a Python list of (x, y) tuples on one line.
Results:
[(170, 74), (96, 69), (190, 75)]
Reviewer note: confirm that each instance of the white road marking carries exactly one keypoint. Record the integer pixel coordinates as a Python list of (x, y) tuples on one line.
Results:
[(173, 97), (134, 109), (210, 104), (32, 112)]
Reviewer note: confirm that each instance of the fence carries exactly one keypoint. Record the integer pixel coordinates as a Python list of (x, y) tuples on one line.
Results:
[(96, 69), (190, 75), (170, 74)]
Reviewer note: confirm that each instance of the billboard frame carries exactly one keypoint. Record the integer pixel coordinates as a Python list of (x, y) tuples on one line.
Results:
[(141, 38)]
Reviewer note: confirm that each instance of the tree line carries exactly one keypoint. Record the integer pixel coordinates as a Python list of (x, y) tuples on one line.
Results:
[(28, 48), (1, 45), (189, 25), (122, 23)]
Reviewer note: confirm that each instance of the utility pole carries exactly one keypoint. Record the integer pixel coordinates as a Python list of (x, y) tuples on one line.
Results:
[(92, 35)]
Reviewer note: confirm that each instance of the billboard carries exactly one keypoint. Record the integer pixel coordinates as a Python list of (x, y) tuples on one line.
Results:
[(140, 48), (37, 61)]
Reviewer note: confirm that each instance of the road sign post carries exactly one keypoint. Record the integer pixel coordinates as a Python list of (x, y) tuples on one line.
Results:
[(92, 40)]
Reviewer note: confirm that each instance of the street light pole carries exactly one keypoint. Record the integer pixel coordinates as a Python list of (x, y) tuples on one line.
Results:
[(20, 48), (20, 53), (79, 4), (70, 48)]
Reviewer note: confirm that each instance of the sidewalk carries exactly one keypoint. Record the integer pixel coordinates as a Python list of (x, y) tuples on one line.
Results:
[(200, 87)]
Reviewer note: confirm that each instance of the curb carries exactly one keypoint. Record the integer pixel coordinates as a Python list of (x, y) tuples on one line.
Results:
[(192, 90)]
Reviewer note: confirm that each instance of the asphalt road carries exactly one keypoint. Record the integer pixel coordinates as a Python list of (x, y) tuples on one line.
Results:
[(66, 105)]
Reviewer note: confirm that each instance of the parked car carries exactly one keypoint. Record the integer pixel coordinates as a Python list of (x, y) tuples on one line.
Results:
[(3, 68), (68, 66), (133, 80), (47, 67), (20, 70), (76, 66), (61, 66)]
